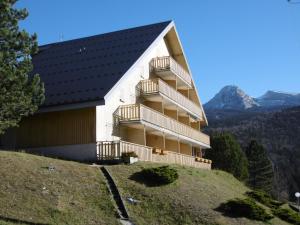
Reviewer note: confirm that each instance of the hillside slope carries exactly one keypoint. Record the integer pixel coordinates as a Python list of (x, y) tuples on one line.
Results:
[(190, 200), (279, 133), (72, 193), (75, 193)]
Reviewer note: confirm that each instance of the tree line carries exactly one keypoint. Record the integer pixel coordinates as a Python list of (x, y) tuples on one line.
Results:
[(251, 165)]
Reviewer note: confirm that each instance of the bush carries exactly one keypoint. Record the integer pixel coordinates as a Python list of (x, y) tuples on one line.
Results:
[(129, 154), (244, 208), (160, 175), (264, 198), (287, 215), (294, 207)]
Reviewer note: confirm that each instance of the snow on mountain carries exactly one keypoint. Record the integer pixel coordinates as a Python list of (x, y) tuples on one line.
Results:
[(231, 97), (278, 98)]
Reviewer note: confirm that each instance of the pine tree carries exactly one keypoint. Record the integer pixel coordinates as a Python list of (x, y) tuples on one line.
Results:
[(260, 167), (227, 155), (20, 94)]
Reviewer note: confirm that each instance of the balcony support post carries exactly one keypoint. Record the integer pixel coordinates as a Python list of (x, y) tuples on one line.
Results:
[(164, 141), (200, 152), (144, 130)]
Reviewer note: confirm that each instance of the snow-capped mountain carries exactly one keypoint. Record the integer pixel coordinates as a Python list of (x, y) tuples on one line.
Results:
[(277, 99), (231, 97)]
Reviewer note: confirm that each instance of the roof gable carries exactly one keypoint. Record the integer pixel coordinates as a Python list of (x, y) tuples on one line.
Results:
[(85, 69), (176, 51)]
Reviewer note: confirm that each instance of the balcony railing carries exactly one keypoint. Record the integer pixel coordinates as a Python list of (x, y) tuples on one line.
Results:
[(139, 113), (112, 150), (167, 63), (158, 86)]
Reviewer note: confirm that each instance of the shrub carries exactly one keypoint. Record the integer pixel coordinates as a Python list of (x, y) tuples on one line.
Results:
[(129, 154), (264, 198), (287, 215), (244, 208), (294, 207), (160, 175)]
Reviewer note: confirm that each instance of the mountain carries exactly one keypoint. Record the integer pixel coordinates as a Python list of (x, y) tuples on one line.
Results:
[(279, 133), (278, 99), (232, 102), (233, 98), (272, 119)]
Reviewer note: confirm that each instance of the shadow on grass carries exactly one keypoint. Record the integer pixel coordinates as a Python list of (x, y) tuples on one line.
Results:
[(7, 219), (142, 179), (248, 208), (227, 212)]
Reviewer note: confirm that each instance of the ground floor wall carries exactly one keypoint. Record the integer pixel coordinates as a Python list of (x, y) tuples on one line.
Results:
[(133, 135), (68, 127), (185, 149), (80, 152), (172, 145), (155, 141), (69, 134)]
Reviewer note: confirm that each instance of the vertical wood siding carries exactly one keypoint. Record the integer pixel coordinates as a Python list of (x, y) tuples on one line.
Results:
[(58, 128)]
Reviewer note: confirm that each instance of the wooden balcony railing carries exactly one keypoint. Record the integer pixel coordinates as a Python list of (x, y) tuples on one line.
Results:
[(181, 159), (167, 63), (114, 149), (158, 86), (135, 112)]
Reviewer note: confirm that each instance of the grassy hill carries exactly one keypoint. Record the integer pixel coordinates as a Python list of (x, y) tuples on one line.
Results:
[(75, 193), (190, 200), (72, 193)]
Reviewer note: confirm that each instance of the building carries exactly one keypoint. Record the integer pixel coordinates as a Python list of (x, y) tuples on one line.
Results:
[(129, 90)]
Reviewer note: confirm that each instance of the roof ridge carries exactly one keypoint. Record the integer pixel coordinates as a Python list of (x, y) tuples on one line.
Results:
[(106, 33)]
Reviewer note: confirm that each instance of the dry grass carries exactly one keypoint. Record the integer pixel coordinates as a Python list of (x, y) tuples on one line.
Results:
[(190, 200), (72, 194), (75, 193)]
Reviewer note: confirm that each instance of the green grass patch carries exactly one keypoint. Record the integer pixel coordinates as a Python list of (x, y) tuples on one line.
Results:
[(287, 215), (244, 208), (264, 199)]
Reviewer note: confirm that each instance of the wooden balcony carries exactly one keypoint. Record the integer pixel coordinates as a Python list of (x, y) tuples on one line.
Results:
[(157, 86), (156, 120), (112, 150), (166, 66)]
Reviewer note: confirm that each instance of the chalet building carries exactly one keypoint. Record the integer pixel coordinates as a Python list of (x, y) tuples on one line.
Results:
[(129, 90)]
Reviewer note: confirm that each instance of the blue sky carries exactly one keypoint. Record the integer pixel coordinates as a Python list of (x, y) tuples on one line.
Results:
[(254, 44)]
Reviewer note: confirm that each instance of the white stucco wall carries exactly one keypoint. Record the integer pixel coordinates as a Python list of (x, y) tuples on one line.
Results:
[(126, 91)]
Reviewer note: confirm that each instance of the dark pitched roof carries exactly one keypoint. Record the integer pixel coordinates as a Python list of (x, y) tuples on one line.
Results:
[(85, 69)]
